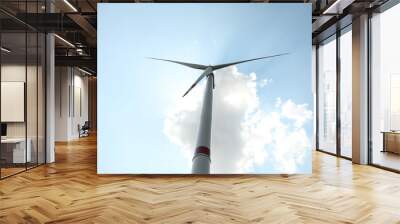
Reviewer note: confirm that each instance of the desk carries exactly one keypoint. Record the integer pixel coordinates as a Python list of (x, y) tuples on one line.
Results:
[(13, 150), (391, 141)]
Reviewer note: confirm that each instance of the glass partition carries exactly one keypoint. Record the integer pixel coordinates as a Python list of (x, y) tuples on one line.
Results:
[(22, 89), (13, 105), (41, 97), (32, 95)]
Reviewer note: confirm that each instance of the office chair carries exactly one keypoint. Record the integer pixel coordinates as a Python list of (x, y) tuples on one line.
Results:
[(84, 130)]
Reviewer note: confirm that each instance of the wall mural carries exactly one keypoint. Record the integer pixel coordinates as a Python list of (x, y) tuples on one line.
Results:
[(204, 88)]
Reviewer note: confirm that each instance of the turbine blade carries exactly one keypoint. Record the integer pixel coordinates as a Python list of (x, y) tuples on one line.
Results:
[(205, 73), (215, 67), (189, 90), (195, 66)]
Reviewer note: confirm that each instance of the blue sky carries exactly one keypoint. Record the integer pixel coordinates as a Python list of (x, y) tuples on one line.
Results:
[(135, 92)]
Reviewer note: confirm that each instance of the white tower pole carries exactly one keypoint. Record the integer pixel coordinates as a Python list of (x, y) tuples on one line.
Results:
[(201, 159)]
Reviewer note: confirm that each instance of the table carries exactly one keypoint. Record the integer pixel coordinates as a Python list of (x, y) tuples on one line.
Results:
[(13, 150)]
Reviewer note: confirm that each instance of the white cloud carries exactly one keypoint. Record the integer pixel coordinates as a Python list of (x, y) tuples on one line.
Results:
[(299, 113), (264, 82), (243, 135)]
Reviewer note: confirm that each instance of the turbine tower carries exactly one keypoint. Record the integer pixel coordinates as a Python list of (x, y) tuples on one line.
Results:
[(201, 159)]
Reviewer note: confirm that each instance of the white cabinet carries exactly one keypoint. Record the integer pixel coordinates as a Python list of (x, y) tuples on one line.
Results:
[(19, 155)]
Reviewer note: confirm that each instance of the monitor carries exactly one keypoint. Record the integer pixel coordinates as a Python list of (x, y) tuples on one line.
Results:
[(3, 129)]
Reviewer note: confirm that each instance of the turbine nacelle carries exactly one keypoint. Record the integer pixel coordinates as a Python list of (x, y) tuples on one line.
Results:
[(210, 68)]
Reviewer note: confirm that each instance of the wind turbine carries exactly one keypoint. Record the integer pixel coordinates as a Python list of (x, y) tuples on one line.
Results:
[(201, 159)]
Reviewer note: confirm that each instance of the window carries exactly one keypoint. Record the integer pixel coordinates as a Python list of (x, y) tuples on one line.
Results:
[(346, 92), (385, 89), (327, 95)]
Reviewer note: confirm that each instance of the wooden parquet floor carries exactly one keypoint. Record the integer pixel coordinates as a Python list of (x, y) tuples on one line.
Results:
[(70, 191)]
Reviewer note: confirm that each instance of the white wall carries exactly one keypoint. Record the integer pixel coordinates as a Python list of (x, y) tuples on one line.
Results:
[(80, 84), (62, 82), (71, 102)]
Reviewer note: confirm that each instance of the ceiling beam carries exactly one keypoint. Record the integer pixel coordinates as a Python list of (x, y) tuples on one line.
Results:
[(82, 61), (338, 6), (83, 23)]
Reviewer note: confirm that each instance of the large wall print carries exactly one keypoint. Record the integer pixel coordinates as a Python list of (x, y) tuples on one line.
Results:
[(204, 88)]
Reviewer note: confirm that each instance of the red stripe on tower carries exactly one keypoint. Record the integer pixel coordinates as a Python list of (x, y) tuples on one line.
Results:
[(202, 149)]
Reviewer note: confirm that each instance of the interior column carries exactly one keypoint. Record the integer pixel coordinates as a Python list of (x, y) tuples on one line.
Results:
[(50, 92), (360, 90)]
